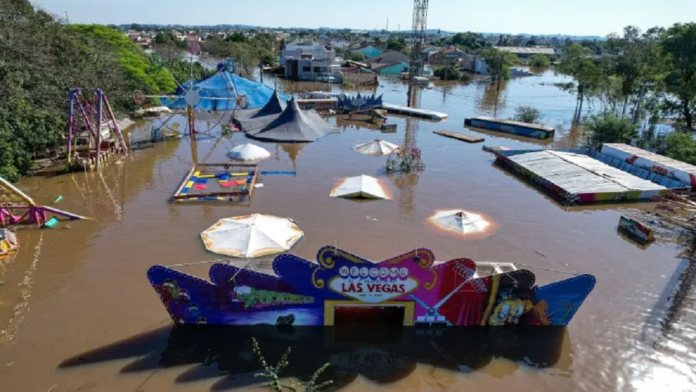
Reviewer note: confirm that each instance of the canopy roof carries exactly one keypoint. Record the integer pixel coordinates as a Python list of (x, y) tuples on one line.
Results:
[(251, 235), (360, 187), (255, 120), (248, 152), (460, 221), (376, 147), (294, 125), (217, 92)]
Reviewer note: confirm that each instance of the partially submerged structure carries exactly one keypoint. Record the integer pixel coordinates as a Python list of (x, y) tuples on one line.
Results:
[(582, 176), (360, 187), (654, 163), (218, 182), (16, 208), (375, 147), (251, 236), (93, 132), (253, 121), (344, 289), (459, 221), (534, 131), (294, 125), (8, 243), (248, 152)]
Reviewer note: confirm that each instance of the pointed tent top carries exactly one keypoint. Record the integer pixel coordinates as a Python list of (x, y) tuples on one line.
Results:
[(360, 187), (460, 221), (248, 152), (275, 105), (294, 125)]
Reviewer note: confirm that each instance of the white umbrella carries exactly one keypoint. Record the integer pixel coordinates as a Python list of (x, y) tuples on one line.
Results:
[(376, 147), (461, 221), (361, 186), (251, 235), (248, 152)]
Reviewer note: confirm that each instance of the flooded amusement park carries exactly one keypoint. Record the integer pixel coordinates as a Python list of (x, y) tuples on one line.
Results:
[(77, 311)]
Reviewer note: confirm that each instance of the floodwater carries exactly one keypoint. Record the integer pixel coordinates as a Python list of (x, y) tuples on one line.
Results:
[(77, 311)]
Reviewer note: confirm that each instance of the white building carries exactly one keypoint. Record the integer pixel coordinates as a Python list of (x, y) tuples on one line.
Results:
[(307, 50)]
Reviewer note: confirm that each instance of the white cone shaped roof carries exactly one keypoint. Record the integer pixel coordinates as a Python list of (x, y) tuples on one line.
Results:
[(248, 152), (460, 221), (251, 235), (361, 186), (376, 147)]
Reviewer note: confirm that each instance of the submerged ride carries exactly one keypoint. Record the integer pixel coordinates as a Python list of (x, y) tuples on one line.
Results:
[(346, 290)]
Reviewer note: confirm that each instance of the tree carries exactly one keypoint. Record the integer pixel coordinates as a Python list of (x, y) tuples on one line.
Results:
[(355, 56), (539, 60), (468, 41), (527, 114), (679, 46), (396, 44), (608, 127), (237, 36), (448, 73), (680, 146), (584, 70), (499, 63)]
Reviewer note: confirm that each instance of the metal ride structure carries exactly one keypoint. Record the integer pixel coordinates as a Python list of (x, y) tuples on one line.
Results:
[(189, 95), (420, 23), (92, 130)]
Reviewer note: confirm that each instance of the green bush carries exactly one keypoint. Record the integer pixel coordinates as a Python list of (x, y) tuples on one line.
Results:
[(681, 146), (527, 114), (448, 73), (539, 60), (607, 127)]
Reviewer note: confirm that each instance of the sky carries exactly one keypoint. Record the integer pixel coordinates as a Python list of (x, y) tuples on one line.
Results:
[(570, 17)]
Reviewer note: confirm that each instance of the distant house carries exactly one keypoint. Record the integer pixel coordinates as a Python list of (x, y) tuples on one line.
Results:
[(306, 49), (391, 69), (370, 51), (391, 57), (340, 44), (524, 53)]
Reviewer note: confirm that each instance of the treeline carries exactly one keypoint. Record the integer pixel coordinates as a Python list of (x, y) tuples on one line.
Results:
[(247, 53), (41, 59), (654, 71)]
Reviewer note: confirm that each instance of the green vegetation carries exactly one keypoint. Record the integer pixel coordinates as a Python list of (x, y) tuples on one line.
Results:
[(608, 127), (527, 114), (272, 373), (396, 44), (248, 53), (680, 146), (498, 63), (657, 67), (356, 56), (42, 59), (468, 42), (451, 73), (539, 60)]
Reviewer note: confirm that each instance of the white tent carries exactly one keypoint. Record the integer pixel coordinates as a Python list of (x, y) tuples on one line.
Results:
[(248, 152), (251, 235), (376, 147), (361, 186), (460, 221)]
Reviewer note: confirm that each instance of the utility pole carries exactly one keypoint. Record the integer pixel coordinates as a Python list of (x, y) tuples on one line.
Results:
[(420, 22)]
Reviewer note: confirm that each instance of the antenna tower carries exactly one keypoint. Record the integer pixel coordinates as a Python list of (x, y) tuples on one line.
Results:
[(420, 24)]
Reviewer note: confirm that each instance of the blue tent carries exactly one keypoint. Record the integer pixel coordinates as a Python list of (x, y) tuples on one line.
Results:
[(222, 85)]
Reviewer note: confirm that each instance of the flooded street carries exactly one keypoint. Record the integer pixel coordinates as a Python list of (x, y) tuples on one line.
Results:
[(82, 286)]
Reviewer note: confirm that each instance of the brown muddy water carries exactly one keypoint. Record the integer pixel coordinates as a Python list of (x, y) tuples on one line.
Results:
[(77, 311)]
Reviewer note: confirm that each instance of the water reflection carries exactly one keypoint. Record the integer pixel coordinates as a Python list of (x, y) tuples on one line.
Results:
[(490, 100), (383, 356)]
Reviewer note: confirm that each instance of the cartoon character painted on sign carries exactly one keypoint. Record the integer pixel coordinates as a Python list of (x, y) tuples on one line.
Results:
[(516, 305)]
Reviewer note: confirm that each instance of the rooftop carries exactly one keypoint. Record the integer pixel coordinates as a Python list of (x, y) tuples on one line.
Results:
[(523, 50)]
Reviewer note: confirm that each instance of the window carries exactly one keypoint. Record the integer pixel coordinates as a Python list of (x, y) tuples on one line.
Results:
[(306, 69)]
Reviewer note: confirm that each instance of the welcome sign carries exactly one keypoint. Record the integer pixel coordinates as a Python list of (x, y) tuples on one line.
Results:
[(341, 288), (373, 285)]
